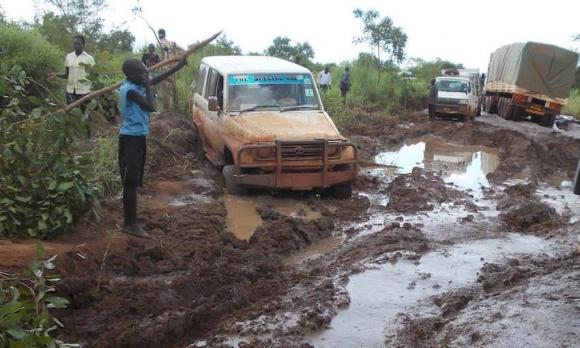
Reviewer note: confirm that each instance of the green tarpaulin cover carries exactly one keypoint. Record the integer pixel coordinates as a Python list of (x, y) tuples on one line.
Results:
[(539, 68)]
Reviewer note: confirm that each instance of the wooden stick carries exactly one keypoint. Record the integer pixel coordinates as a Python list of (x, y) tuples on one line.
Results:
[(111, 88)]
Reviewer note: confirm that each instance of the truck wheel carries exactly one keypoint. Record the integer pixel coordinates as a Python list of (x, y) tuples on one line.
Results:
[(493, 108), (231, 185), (501, 108), (342, 191), (548, 120)]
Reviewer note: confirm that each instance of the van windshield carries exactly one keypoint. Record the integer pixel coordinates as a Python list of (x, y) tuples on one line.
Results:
[(271, 91), (448, 85)]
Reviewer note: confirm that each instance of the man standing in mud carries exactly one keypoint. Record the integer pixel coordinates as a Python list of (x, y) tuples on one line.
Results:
[(169, 49), (432, 100), (75, 73), (136, 101)]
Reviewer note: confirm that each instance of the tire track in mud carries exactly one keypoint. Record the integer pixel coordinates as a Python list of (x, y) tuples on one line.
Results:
[(197, 282)]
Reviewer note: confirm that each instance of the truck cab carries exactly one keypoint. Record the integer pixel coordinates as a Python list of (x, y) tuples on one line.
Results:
[(261, 120), (457, 96)]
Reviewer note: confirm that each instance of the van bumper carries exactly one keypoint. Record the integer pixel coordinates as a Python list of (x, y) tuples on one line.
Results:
[(452, 109), (297, 173)]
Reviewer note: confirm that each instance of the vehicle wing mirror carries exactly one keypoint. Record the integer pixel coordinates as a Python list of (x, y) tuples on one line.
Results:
[(212, 104)]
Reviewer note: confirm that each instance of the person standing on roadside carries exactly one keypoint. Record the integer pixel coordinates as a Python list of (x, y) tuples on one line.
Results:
[(169, 49), (150, 58), (75, 65), (432, 100), (136, 101), (345, 84), (325, 79)]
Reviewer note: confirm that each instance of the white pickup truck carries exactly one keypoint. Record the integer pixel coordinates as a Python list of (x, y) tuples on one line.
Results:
[(456, 96)]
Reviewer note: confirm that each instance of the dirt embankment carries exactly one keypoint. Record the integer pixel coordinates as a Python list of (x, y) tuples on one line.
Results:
[(489, 313), (535, 156), (420, 191), (523, 211)]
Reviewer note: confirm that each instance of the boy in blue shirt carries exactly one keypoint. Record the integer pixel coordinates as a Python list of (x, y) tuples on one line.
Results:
[(137, 101)]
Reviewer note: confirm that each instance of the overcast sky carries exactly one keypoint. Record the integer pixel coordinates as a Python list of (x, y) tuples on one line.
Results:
[(461, 31)]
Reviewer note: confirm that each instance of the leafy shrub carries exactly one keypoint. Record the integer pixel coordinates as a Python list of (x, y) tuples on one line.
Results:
[(30, 50), (44, 185), (573, 107), (25, 320)]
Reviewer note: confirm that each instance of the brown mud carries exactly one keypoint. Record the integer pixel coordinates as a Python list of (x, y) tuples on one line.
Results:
[(199, 282)]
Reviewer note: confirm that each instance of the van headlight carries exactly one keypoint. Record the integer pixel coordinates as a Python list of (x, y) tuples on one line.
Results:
[(462, 101)]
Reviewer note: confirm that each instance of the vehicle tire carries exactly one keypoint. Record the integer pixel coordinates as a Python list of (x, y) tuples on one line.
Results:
[(341, 191), (231, 185), (493, 107), (548, 120), (500, 108)]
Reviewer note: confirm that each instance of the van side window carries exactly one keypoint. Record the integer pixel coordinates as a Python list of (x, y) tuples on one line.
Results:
[(200, 79), (215, 87)]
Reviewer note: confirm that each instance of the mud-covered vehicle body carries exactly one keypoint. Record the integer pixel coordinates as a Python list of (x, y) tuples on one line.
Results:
[(529, 78), (262, 120), (457, 96)]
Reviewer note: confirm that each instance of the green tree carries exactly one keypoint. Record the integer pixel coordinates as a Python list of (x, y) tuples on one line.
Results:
[(301, 53), (116, 40), (29, 50), (227, 46), (426, 70), (383, 36)]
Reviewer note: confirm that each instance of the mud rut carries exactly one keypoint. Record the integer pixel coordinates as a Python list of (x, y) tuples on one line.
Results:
[(475, 246)]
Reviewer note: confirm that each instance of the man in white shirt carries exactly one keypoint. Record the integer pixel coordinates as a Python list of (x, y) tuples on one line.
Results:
[(75, 64), (325, 79)]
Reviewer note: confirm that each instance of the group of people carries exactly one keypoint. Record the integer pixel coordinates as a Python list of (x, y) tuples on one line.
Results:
[(136, 103), (325, 81)]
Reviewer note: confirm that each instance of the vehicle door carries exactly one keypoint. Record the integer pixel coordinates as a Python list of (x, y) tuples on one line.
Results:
[(200, 105), (214, 88)]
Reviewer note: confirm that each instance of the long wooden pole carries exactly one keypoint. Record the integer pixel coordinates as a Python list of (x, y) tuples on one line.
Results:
[(111, 88)]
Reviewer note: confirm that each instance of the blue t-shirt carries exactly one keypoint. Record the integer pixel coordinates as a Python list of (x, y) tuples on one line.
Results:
[(135, 119)]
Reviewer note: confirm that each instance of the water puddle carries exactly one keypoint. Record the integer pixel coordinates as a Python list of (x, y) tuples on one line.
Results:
[(463, 165), (378, 295), (314, 250), (242, 218)]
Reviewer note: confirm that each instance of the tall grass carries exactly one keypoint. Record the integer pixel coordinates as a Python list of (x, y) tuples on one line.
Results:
[(573, 107)]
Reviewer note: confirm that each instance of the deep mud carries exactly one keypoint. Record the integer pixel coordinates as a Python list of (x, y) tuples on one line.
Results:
[(456, 235)]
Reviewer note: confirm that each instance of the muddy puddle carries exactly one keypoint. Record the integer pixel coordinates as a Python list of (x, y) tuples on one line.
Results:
[(466, 167), (242, 216), (378, 295)]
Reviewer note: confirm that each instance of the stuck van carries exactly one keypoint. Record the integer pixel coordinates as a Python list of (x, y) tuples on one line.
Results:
[(456, 96), (261, 120)]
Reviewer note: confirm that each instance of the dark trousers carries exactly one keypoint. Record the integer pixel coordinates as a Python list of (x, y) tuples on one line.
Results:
[(343, 93), (73, 97), (132, 154)]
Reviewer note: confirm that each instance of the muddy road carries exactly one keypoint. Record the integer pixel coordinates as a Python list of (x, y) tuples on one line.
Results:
[(457, 234)]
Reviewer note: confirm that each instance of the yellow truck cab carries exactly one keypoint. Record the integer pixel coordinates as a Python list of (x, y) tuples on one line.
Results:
[(262, 120)]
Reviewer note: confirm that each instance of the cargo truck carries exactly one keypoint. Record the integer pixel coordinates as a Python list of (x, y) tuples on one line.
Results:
[(529, 79)]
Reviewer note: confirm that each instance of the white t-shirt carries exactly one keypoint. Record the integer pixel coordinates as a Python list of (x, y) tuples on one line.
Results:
[(324, 78), (77, 76)]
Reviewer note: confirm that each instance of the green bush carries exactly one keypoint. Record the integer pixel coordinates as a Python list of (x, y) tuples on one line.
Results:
[(44, 185), (573, 107), (30, 50), (25, 304)]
